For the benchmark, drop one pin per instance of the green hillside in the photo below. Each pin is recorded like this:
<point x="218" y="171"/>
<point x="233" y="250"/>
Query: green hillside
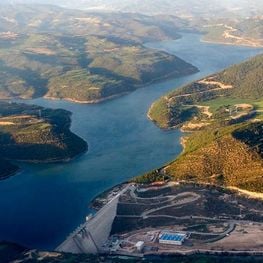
<point x="230" y="156"/>
<point x="79" y="56"/>
<point x="35" y="134"/>
<point x="223" y="117"/>
<point x="236" y="90"/>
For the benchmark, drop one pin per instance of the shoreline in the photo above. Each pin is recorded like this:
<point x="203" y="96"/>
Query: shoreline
<point x="51" y="161"/>
<point x="256" y="46"/>
<point x="48" y="161"/>
<point x="11" y="174"/>
<point x="156" y="123"/>
<point x="166" y="77"/>
<point x="86" y="101"/>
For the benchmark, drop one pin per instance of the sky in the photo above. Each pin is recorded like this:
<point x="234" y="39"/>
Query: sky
<point x="156" y="6"/>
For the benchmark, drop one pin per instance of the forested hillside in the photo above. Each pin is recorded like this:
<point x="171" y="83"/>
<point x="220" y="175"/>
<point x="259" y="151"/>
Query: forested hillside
<point x="239" y="84"/>
<point x="75" y="55"/>
<point x="35" y="134"/>
<point x="229" y="156"/>
<point x="223" y="117"/>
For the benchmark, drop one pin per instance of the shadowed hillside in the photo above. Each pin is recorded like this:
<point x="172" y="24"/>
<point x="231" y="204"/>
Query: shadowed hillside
<point x="35" y="134"/>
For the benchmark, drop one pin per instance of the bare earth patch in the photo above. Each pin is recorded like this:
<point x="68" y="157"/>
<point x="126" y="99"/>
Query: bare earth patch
<point x="6" y="123"/>
<point x="92" y="20"/>
<point x="244" y="106"/>
<point x="212" y="82"/>
<point x="209" y="81"/>
<point x="242" y="238"/>
<point x="42" y="51"/>
<point x="18" y="117"/>
<point x="205" y="110"/>
<point x="194" y="126"/>
<point x="229" y="34"/>
<point x="248" y="193"/>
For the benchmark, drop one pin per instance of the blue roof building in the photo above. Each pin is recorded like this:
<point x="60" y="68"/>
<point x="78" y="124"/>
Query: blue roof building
<point x="172" y="238"/>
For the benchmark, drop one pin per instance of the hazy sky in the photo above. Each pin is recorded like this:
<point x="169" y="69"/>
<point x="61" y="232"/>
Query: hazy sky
<point x="232" y="3"/>
<point x="155" y="6"/>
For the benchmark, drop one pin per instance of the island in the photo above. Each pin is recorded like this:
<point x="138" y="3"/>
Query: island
<point x="31" y="133"/>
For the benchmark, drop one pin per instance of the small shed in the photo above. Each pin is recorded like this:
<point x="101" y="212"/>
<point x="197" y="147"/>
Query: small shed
<point x="139" y="246"/>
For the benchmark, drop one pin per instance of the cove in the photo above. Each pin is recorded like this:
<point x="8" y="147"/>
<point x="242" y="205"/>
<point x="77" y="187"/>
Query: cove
<point x="40" y="206"/>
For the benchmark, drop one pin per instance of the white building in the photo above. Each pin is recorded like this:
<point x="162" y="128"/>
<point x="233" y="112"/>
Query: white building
<point x="139" y="246"/>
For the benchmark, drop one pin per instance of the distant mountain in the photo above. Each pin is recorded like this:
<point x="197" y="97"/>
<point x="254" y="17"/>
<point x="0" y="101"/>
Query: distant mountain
<point x="244" y="31"/>
<point x="177" y="7"/>
<point x="81" y="56"/>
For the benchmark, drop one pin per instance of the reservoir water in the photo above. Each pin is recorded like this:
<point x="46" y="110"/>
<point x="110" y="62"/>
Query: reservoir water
<point x="40" y="206"/>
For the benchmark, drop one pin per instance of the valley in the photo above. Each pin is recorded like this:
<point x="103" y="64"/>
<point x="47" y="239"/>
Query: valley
<point x="63" y="76"/>
<point x="82" y="57"/>
<point x="56" y="196"/>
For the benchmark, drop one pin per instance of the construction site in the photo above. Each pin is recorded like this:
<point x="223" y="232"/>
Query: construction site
<point x="170" y="219"/>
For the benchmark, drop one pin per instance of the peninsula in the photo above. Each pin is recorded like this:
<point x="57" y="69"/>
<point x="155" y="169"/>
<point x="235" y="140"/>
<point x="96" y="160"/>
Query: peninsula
<point x="223" y="117"/>
<point x="34" y="134"/>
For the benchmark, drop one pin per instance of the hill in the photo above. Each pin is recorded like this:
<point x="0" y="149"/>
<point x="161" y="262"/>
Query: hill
<point x="35" y="134"/>
<point x="224" y="112"/>
<point x="246" y="32"/>
<point x="234" y="92"/>
<point x="83" y="57"/>
<point x="230" y="156"/>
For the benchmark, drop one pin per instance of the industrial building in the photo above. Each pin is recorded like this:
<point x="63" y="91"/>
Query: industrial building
<point x="172" y="238"/>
